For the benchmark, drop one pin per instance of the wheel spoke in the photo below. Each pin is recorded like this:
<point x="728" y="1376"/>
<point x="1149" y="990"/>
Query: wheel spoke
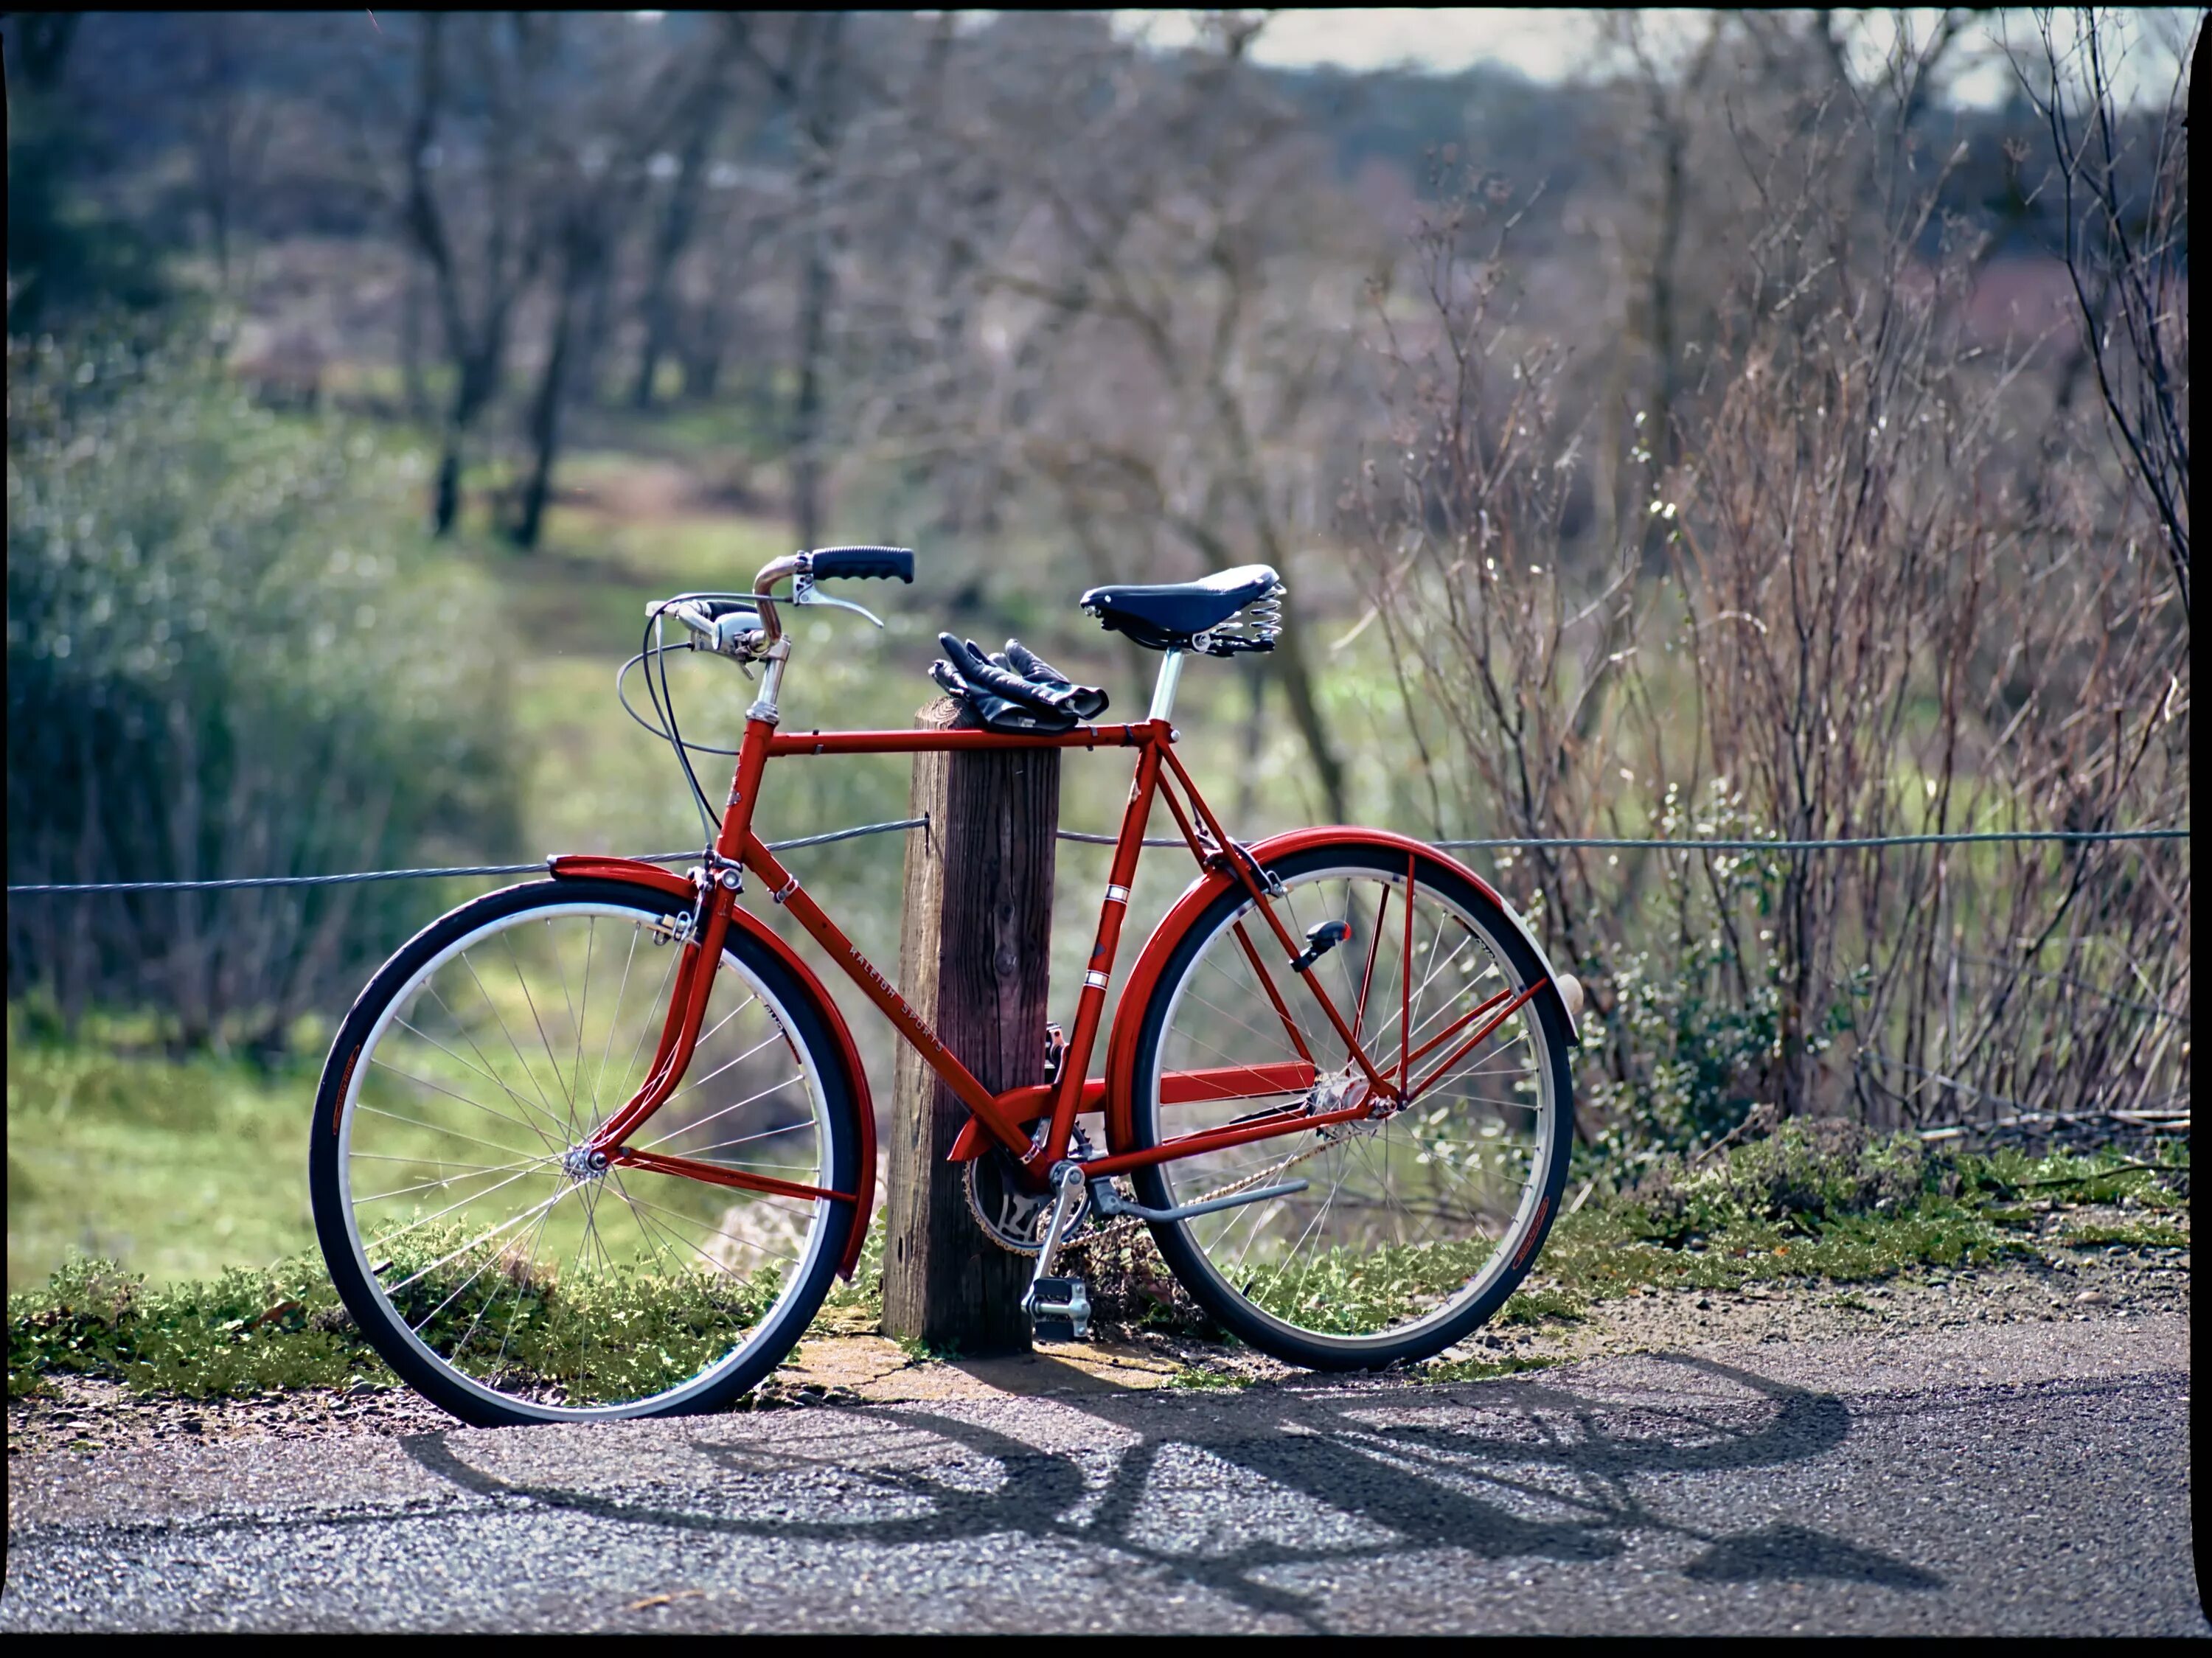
<point x="1404" y="1219"/>
<point x="529" y="1274"/>
<point x="544" y="1040"/>
<point x="423" y="1082"/>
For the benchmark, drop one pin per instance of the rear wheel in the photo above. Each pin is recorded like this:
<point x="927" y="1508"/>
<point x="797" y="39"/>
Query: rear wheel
<point x="1413" y="1226"/>
<point x="493" y="1262"/>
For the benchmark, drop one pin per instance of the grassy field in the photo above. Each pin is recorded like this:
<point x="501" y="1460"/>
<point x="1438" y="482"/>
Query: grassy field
<point x="178" y="1169"/>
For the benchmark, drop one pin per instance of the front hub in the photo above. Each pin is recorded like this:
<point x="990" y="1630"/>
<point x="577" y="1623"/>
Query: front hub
<point x="581" y="1164"/>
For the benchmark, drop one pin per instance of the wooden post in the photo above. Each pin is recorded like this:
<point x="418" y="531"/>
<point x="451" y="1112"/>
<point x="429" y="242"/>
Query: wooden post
<point x="974" y="955"/>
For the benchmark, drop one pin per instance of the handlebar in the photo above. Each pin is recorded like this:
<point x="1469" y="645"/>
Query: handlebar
<point x="889" y="563"/>
<point x="748" y="625"/>
<point x="747" y="628"/>
<point x="885" y="562"/>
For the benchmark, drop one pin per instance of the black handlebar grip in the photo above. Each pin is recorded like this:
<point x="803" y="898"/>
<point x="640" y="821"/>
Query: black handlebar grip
<point x="893" y="563"/>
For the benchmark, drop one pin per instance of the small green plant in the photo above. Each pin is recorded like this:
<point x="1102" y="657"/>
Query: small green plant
<point x="246" y="1332"/>
<point x="919" y="1351"/>
<point x="1192" y="1375"/>
<point x="1697" y="1022"/>
<point x="1803" y="1176"/>
<point x="1484" y="1369"/>
<point x="2143" y="1236"/>
<point x="1535" y="1305"/>
<point x="1131" y="1288"/>
<point x="284" y="1328"/>
<point x="864" y="1291"/>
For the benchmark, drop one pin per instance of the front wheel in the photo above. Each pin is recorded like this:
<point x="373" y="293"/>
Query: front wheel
<point x="1414" y="1224"/>
<point x="495" y="1263"/>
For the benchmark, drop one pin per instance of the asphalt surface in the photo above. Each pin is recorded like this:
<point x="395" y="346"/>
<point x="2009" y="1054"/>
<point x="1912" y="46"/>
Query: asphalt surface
<point x="2027" y="1479"/>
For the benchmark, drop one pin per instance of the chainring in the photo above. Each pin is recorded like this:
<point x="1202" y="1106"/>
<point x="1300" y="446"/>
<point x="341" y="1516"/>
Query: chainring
<point x="1012" y="1215"/>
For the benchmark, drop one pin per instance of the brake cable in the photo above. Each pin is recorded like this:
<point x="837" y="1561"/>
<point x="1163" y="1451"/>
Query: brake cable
<point x="664" y="705"/>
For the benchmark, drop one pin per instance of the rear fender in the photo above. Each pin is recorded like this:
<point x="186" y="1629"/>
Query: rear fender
<point x="584" y="866"/>
<point x="1152" y="960"/>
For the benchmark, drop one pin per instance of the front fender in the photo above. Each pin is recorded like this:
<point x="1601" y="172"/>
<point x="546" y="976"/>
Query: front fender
<point x="589" y="866"/>
<point x="1152" y="961"/>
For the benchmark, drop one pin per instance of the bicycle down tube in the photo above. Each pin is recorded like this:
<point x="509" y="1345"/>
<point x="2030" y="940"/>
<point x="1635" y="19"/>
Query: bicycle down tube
<point x="1005" y="1117"/>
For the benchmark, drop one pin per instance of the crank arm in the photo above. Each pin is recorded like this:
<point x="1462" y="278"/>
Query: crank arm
<point x="1106" y="1201"/>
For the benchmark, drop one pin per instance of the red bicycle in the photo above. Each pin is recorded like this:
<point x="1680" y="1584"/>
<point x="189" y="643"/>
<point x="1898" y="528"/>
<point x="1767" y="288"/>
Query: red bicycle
<point x="593" y="1146"/>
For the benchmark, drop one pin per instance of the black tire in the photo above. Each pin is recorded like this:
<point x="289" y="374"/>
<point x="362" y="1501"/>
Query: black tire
<point x="407" y="1012"/>
<point x="1287" y="1329"/>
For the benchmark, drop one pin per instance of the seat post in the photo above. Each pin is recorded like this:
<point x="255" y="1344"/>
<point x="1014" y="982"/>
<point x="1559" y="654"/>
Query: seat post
<point x="1164" y="688"/>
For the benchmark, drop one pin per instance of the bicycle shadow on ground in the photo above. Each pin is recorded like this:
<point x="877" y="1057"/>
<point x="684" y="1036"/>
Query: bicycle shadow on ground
<point x="1506" y="1470"/>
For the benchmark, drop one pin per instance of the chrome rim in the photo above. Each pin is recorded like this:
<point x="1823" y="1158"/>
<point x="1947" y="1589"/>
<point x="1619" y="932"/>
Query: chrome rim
<point x="530" y="1273"/>
<point x="1405" y="1220"/>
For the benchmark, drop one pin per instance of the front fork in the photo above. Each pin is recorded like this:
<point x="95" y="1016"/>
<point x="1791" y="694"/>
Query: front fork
<point x="702" y="947"/>
<point x="717" y="884"/>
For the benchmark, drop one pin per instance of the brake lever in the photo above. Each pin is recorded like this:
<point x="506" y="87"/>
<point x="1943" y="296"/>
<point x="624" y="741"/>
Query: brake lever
<point x="803" y="592"/>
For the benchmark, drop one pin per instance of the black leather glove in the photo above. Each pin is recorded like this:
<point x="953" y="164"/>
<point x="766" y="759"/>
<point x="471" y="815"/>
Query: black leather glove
<point x="999" y="712"/>
<point x="969" y="662"/>
<point x="1088" y="701"/>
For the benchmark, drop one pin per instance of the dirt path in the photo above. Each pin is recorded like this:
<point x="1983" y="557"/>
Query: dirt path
<point x="1989" y="1475"/>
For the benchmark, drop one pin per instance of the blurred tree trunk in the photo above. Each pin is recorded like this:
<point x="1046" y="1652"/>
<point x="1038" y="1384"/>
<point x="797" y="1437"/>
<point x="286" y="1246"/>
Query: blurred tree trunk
<point x="474" y="346"/>
<point x="584" y="258"/>
<point x="44" y="37"/>
<point x="594" y="331"/>
<point x="228" y="130"/>
<point x="416" y="394"/>
<point x="817" y="283"/>
<point x="595" y="216"/>
<point x="1674" y="107"/>
<point x="679" y="217"/>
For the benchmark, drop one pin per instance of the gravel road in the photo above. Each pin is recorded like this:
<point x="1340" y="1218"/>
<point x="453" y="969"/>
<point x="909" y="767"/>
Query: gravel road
<point x="2014" y="1477"/>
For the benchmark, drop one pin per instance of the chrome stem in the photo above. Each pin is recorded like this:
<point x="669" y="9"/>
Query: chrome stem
<point x="771" y="573"/>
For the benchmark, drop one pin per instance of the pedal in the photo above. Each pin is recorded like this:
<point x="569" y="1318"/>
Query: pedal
<point x="1059" y="1310"/>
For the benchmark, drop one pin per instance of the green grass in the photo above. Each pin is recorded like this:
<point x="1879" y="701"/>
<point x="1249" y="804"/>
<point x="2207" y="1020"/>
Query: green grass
<point x="2143" y="1236"/>
<point x="242" y="1333"/>
<point x="1820" y="1202"/>
<point x="1806" y="1205"/>
<point x="282" y="1328"/>
<point x="1536" y="1306"/>
<point x="179" y="1168"/>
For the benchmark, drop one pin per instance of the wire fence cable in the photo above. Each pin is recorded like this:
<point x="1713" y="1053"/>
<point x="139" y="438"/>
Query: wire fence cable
<point x="1964" y="838"/>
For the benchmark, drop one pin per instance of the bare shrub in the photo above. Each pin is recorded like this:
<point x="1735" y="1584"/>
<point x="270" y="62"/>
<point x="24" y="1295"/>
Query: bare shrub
<point x="1904" y="591"/>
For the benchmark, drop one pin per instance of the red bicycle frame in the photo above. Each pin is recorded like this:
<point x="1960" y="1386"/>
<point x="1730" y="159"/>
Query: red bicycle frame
<point x="1007" y="1119"/>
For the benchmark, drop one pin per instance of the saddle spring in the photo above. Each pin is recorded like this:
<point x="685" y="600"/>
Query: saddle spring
<point x="1254" y="628"/>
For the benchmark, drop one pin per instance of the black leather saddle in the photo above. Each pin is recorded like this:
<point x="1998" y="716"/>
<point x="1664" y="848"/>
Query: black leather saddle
<point x="1183" y="616"/>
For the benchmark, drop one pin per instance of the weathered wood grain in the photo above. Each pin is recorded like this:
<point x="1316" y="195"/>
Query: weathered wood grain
<point x="974" y="958"/>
